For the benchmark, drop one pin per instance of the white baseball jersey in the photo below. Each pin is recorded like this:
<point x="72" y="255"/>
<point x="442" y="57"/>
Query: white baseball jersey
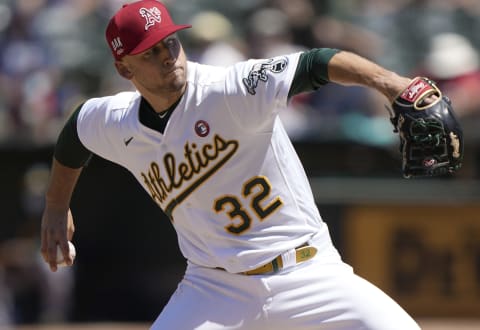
<point x="224" y="169"/>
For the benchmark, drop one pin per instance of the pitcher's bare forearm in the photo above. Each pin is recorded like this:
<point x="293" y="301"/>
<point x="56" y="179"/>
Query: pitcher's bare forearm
<point x="57" y="222"/>
<point x="346" y="68"/>
<point x="62" y="183"/>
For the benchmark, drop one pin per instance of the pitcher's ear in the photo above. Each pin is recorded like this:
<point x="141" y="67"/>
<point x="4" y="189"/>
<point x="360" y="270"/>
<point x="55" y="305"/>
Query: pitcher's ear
<point x="123" y="70"/>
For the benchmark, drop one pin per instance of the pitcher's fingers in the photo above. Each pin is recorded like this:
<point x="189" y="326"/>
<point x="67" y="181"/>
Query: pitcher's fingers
<point x="48" y="249"/>
<point x="44" y="245"/>
<point x="52" y="255"/>
<point x="70" y="232"/>
<point x="70" y="225"/>
<point x="65" y="248"/>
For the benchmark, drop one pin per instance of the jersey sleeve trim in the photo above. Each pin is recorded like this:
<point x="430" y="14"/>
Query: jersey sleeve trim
<point x="69" y="150"/>
<point x="312" y="70"/>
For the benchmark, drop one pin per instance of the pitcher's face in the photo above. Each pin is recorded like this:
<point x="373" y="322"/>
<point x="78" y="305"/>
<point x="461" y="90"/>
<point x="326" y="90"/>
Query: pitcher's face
<point x="158" y="70"/>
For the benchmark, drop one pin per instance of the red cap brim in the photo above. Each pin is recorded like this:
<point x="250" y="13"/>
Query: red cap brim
<point x="155" y="38"/>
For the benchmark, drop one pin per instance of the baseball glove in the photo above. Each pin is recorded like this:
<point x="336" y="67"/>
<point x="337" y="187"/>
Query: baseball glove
<point x="431" y="139"/>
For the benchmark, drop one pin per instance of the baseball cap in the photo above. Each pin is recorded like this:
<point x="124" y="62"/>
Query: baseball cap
<point x="138" y="26"/>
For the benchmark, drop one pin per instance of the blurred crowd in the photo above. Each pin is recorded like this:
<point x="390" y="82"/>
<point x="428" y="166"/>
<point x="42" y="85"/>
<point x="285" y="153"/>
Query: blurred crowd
<point x="53" y="56"/>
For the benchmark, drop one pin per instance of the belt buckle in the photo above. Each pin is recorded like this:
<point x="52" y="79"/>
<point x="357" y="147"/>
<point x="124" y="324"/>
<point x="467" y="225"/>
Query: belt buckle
<point x="302" y="253"/>
<point x="305" y="253"/>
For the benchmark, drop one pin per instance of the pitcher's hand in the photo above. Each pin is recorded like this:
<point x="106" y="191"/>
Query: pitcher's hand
<point x="57" y="229"/>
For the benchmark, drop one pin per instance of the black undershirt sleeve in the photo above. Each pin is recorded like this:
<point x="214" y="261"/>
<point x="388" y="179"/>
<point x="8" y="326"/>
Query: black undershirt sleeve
<point x="312" y="70"/>
<point x="69" y="151"/>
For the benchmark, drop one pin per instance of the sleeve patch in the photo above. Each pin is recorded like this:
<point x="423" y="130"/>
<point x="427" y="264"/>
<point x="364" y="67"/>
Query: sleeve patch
<point x="259" y="72"/>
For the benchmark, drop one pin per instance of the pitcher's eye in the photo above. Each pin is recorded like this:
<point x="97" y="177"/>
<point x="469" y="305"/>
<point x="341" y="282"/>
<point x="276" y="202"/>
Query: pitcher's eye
<point x="147" y="53"/>
<point x="152" y="52"/>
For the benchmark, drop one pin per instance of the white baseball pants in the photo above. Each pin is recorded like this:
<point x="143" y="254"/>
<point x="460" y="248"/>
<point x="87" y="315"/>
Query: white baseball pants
<point x="322" y="293"/>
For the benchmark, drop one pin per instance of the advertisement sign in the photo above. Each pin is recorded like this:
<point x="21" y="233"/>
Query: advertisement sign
<point x="426" y="257"/>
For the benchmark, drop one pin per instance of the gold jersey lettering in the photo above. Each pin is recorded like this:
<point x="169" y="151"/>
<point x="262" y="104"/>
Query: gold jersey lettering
<point x="198" y="165"/>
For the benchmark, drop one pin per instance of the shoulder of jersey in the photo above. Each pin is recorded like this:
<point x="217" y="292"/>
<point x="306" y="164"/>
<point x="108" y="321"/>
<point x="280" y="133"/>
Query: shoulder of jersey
<point x="202" y="74"/>
<point x="114" y="104"/>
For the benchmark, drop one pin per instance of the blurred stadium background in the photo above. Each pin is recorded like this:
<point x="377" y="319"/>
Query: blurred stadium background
<point x="419" y="240"/>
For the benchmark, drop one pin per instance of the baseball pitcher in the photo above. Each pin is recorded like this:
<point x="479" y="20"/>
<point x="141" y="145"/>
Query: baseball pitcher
<point x="206" y="143"/>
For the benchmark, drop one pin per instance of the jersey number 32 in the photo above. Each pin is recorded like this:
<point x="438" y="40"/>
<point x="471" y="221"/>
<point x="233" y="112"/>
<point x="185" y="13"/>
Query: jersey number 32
<point x="257" y="191"/>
